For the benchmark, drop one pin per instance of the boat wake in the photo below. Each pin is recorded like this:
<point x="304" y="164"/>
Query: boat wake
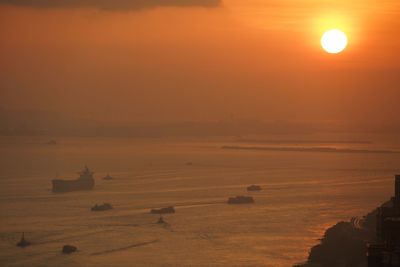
<point x="125" y="248"/>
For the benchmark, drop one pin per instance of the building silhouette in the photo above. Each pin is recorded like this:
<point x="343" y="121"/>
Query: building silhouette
<point x="385" y="252"/>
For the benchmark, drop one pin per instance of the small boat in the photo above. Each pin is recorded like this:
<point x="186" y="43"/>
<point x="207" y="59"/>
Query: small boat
<point x="23" y="243"/>
<point x="254" y="188"/>
<point x="103" y="207"/>
<point x="166" y="210"/>
<point x="108" y="177"/>
<point x="51" y="142"/>
<point x="68" y="249"/>
<point x="85" y="181"/>
<point x="241" y="200"/>
<point x="161" y="220"/>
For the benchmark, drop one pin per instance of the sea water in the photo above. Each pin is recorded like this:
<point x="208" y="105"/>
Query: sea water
<point x="303" y="194"/>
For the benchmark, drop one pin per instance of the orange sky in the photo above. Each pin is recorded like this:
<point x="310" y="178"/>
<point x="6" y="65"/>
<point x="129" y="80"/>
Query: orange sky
<point x="252" y="59"/>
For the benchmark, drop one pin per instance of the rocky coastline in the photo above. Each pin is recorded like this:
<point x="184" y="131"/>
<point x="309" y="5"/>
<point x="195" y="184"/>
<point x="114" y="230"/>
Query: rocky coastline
<point x="344" y="244"/>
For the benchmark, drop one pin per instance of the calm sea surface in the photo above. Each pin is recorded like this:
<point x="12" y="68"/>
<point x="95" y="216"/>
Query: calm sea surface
<point x="304" y="193"/>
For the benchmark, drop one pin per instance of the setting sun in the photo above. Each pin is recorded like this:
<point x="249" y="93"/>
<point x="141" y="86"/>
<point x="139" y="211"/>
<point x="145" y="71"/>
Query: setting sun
<point x="334" y="41"/>
<point x="161" y="133"/>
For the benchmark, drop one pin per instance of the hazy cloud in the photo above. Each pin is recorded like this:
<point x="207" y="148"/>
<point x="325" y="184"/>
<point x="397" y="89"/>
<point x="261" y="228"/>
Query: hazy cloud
<point x="112" y="4"/>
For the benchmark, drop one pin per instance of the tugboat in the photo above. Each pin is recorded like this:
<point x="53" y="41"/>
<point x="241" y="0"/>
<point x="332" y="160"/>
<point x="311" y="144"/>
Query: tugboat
<point x="163" y="210"/>
<point x="23" y="243"/>
<point x="108" y="177"/>
<point x="240" y="200"/>
<point x="254" y="188"/>
<point x="84" y="182"/>
<point x="103" y="207"/>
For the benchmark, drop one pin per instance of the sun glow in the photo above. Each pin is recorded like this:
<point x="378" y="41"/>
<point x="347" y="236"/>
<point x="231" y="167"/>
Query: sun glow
<point x="334" y="41"/>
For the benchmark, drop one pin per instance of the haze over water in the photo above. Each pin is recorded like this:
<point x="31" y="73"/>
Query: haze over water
<point x="304" y="193"/>
<point x="198" y="99"/>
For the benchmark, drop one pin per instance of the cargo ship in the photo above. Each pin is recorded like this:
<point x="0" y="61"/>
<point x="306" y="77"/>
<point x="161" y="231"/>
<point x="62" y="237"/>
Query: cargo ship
<point x="85" y="181"/>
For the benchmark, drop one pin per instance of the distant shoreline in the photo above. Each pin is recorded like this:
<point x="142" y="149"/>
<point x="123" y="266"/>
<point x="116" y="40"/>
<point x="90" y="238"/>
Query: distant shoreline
<point x="311" y="149"/>
<point x="292" y="141"/>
